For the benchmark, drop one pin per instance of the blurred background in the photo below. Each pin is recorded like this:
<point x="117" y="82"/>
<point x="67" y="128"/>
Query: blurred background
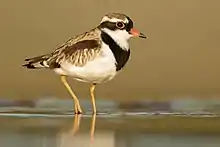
<point x="181" y="55"/>
<point x="175" y="70"/>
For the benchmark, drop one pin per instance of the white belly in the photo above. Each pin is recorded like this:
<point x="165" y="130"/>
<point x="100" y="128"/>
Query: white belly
<point x="101" y="69"/>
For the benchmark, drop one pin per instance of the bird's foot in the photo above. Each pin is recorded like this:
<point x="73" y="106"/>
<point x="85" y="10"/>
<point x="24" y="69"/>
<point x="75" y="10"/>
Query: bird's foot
<point x="78" y="112"/>
<point x="94" y="112"/>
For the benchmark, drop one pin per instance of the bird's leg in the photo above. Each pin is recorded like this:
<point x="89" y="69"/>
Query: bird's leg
<point x="77" y="107"/>
<point x="92" y="90"/>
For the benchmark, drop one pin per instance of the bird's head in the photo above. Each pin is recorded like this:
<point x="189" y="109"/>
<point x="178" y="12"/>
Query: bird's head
<point x="119" y="25"/>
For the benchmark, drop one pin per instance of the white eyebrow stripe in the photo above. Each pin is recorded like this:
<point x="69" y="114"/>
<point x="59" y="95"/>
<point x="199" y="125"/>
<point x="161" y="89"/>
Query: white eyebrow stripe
<point x="113" y="20"/>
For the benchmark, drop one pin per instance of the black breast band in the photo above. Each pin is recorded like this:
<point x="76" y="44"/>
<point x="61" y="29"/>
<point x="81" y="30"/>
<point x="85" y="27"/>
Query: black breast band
<point x="121" y="55"/>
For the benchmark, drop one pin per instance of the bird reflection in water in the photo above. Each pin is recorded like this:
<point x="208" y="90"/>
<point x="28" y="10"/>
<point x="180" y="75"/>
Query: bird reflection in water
<point x="76" y="125"/>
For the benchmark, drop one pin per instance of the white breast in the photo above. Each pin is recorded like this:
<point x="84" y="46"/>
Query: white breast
<point x="101" y="69"/>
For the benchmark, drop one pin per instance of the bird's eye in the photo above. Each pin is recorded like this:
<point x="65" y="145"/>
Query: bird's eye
<point x="120" y="25"/>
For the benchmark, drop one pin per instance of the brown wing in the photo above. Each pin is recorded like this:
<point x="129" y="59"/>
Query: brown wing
<point x="77" y="51"/>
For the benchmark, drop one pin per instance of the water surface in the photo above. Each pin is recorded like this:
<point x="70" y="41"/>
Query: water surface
<point x="127" y="129"/>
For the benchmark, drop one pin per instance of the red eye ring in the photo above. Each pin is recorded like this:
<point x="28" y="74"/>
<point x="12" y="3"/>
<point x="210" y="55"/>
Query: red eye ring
<point x="120" y="25"/>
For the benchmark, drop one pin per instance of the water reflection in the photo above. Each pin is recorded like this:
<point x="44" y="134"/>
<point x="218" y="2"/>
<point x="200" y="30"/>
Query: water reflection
<point x="73" y="137"/>
<point x="111" y="131"/>
<point x="76" y="125"/>
<point x="51" y="123"/>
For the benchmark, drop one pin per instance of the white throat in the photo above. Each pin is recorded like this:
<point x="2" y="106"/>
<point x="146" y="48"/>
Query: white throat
<point x="121" y="37"/>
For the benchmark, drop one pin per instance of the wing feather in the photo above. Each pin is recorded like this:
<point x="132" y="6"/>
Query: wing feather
<point x="77" y="51"/>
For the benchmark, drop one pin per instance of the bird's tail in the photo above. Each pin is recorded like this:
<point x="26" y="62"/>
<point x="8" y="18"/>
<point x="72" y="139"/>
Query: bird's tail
<point x="36" y="62"/>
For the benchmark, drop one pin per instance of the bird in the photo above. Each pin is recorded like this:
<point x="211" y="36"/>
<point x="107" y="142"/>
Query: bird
<point x="94" y="57"/>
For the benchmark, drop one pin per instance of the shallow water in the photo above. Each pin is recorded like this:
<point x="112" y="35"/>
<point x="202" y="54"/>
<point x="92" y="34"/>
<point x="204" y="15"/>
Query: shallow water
<point x="26" y="128"/>
<point x="50" y="122"/>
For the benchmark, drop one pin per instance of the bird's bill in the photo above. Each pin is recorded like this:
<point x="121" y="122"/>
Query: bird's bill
<point x="134" y="32"/>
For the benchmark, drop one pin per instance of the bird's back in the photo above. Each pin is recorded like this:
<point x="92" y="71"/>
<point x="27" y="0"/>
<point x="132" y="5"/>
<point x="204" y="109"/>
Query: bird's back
<point x="77" y="50"/>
